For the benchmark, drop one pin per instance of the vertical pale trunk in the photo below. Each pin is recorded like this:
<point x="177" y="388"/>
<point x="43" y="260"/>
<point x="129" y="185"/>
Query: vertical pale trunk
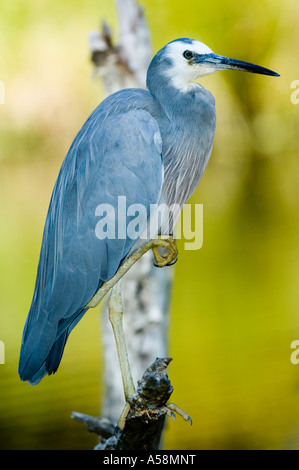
<point x="146" y="289"/>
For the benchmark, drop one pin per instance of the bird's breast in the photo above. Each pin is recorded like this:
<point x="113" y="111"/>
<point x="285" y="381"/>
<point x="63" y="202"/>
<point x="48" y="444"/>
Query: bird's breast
<point x="187" y="148"/>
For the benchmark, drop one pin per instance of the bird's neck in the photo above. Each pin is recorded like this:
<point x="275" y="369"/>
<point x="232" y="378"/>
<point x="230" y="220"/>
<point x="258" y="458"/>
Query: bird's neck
<point x="176" y="98"/>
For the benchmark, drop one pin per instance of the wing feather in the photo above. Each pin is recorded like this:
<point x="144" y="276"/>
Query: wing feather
<point x="115" y="155"/>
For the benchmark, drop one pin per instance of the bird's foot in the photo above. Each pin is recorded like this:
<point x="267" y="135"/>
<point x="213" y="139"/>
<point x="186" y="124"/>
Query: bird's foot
<point x="170" y="409"/>
<point x="168" y="258"/>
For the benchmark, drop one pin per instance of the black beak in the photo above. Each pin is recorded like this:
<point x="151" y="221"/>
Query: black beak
<point x="224" y="63"/>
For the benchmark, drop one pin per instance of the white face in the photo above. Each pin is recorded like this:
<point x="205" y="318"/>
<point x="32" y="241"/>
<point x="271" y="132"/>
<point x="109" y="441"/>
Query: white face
<point x="182" y="72"/>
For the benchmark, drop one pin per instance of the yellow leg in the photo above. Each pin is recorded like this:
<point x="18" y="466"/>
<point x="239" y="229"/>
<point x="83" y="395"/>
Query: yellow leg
<point x="166" y="242"/>
<point x="116" y="318"/>
<point x="122" y="420"/>
<point x="116" y="309"/>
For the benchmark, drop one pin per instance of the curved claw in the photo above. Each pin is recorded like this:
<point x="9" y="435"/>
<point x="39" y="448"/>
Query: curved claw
<point x="169" y="258"/>
<point x="169" y="412"/>
<point x="174" y="408"/>
<point x="171" y="263"/>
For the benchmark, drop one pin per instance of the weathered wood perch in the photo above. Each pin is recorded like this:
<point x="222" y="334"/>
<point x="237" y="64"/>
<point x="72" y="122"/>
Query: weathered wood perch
<point x="143" y="421"/>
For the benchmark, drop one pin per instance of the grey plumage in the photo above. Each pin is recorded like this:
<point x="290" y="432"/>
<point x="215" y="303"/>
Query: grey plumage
<point x="149" y="146"/>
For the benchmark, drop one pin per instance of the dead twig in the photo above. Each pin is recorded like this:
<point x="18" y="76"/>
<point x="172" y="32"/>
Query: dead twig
<point x="141" y="423"/>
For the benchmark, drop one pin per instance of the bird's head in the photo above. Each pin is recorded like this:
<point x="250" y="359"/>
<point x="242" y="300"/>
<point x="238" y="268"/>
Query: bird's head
<point x="184" y="60"/>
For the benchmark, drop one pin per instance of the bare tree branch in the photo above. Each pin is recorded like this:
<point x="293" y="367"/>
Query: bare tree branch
<point x="142" y="421"/>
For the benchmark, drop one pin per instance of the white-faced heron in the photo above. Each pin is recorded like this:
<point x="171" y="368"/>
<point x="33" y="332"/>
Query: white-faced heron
<point x="149" y="147"/>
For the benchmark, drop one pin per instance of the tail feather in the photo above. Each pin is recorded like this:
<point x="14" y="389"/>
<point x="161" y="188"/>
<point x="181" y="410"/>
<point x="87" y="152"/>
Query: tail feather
<point x="42" y="356"/>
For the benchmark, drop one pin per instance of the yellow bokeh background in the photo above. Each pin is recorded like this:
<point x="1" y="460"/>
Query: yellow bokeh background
<point x="235" y="305"/>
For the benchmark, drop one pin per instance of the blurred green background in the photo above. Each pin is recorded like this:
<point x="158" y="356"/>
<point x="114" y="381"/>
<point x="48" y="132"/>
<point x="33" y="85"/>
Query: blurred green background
<point x="235" y="306"/>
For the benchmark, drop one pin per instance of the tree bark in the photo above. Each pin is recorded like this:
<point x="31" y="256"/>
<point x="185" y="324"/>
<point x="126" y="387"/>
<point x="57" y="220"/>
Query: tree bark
<point x="143" y="419"/>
